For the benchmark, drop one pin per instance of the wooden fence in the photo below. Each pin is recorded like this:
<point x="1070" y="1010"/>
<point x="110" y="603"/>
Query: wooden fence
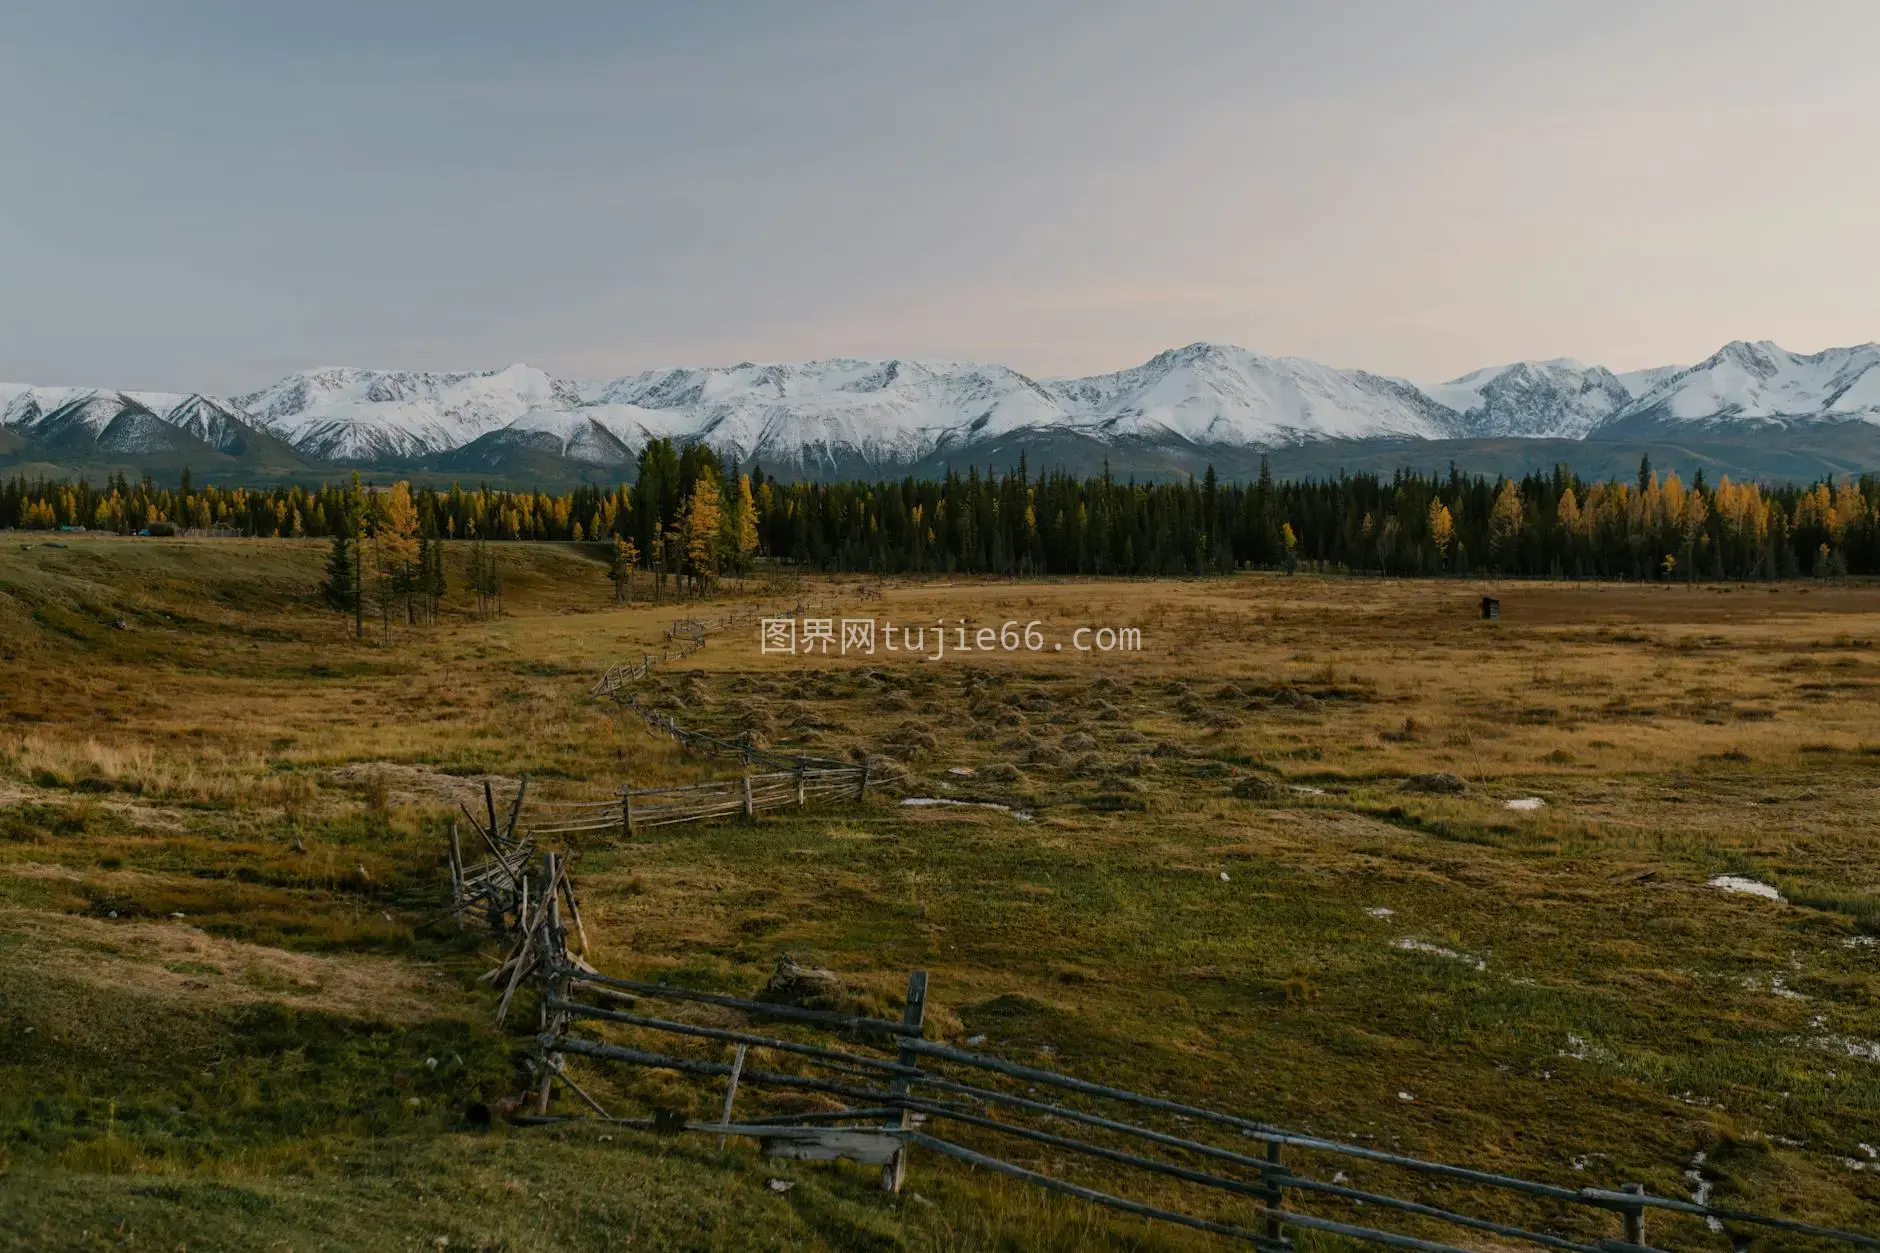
<point x="637" y="809"/>
<point x="896" y="1091"/>
<point x="683" y="638"/>
<point x="497" y="886"/>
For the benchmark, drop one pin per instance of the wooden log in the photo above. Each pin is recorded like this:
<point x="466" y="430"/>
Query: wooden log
<point x="456" y="871"/>
<point x="731" y="1090"/>
<point x="489" y="801"/>
<point x="515" y="806"/>
<point x="914" y="1016"/>
<point x="552" y="1023"/>
<point x="822" y="1144"/>
<point x="750" y="810"/>
<point x="574" y="910"/>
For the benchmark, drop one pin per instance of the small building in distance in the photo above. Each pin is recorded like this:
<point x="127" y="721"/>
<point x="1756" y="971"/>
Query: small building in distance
<point x="1491" y="609"/>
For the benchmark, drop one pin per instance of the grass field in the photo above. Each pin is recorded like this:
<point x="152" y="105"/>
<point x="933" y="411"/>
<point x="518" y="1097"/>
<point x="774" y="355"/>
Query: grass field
<point x="228" y="1019"/>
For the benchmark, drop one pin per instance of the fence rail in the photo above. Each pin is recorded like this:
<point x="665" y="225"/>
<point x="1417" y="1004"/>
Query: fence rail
<point x="638" y="809"/>
<point x="684" y="637"/>
<point x="900" y="1089"/>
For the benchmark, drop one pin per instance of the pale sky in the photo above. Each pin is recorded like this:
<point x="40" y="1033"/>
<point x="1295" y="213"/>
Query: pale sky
<point x="208" y="194"/>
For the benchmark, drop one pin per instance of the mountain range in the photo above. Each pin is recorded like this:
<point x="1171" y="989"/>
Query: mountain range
<point x="1749" y="409"/>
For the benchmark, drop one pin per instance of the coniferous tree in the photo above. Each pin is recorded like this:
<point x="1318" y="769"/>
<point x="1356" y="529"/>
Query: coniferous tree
<point x="337" y="588"/>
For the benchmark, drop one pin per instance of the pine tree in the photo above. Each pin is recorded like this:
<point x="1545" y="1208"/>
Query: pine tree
<point x="435" y="583"/>
<point x="337" y="588"/>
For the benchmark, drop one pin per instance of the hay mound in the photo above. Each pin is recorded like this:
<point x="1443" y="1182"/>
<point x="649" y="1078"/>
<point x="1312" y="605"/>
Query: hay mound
<point x="1255" y="788"/>
<point x="1001" y="772"/>
<point x="1167" y="748"/>
<point x="1440" y="782"/>
<point x="1047" y="755"/>
<point x="1079" y="742"/>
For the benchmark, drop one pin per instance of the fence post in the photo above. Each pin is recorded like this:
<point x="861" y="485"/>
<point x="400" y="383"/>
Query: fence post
<point x="861" y="790"/>
<point x="549" y="944"/>
<point x="626" y="809"/>
<point x="1276" y="1237"/>
<point x="456" y="872"/>
<point x="1634" y="1215"/>
<point x="894" y="1174"/>
<point x="731" y="1093"/>
<point x="801" y="800"/>
<point x="750" y="811"/>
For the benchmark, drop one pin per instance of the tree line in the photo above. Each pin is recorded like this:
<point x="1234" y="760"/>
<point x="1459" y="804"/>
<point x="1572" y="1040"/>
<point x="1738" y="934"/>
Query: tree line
<point x="689" y="518"/>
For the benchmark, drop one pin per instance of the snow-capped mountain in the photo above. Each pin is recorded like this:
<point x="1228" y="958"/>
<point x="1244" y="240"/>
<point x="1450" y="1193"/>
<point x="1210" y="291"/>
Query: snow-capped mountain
<point x="880" y="412"/>
<point x="845" y="415"/>
<point x="1559" y="399"/>
<point x="599" y="434"/>
<point x="1760" y="384"/>
<point x="83" y="419"/>
<point x="1216" y="394"/>
<point x="346" y="414"/>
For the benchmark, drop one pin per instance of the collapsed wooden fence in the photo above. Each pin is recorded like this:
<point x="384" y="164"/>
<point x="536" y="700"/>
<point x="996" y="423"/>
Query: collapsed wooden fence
<point x="894" y="1090"/>
<point x="496" y="886"/>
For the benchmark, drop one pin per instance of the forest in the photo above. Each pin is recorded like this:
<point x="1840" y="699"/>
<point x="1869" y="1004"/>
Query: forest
<point x="690" y="516"/>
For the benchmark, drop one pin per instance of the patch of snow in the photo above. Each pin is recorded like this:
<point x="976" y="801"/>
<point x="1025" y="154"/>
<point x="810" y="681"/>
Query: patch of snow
<point x="1380" y="911"/>
<point x="1701" y="1187"/>
<point x="1525" y="803"/>
<point x="1743" y="887"/>
<point x="1409" y="945"/>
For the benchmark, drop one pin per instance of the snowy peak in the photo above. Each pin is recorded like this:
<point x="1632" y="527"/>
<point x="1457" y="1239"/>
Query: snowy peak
<point x="1759" y="383"/>
<point x="818" y="412"/>
<point x="1558" y="399"/>
<point x="347" y="414"/>
<point x="1217" y="394"/>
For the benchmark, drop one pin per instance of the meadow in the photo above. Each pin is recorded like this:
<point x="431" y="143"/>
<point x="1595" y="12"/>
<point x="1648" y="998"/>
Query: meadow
<point x="1267" y="863"/>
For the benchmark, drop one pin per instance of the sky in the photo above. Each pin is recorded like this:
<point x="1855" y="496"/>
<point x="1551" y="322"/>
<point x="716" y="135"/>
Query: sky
<point x="210" y="194"/>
